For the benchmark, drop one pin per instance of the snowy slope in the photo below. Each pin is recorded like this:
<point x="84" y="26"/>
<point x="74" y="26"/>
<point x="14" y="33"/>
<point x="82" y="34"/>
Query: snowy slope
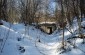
<point x="35" y="42"/>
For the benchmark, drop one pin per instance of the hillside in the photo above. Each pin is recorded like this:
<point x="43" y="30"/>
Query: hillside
<point x="21" y="40"/>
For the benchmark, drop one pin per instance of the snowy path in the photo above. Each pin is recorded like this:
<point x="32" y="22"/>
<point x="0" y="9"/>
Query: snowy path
<point x="48" y="44"/>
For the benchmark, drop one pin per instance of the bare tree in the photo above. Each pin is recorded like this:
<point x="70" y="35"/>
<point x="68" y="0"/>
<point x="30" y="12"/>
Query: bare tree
<point x="3" y="9"/>
<point x="28" y="10"/>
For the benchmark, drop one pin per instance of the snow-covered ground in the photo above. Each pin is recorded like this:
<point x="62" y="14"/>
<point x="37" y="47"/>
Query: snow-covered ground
<point x="21" y="40"/>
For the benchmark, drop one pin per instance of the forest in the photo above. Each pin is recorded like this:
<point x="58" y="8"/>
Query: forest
<point x="42" y="27"/>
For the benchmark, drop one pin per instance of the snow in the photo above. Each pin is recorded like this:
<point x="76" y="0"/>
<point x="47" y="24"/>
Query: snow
<point x="47" y="22"/>
<point x="36" y="42"/>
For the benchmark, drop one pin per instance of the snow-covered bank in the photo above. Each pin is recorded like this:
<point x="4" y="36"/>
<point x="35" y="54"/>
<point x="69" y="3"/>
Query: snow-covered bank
<point x="21" y="40"/>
